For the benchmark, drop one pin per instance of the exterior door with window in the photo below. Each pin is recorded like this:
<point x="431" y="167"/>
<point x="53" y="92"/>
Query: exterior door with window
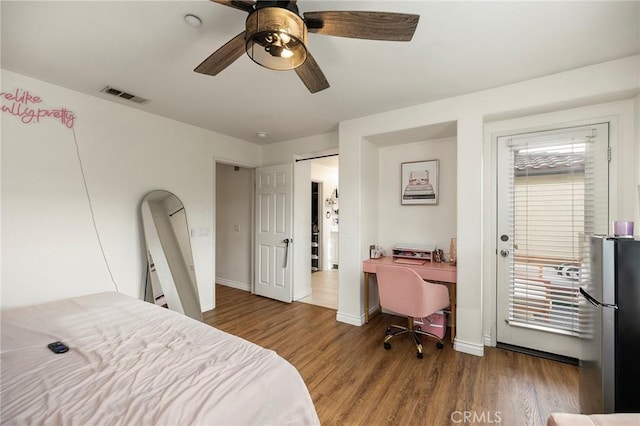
<point x="553" y="194"/>
<point x="273" y="254"/>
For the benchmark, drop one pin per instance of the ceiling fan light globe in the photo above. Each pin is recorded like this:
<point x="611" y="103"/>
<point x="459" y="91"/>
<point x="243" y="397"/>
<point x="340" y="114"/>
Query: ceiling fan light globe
<point x="276" y="38"/>
<point x="274" y="50"/>
<point x="284" y="37"/>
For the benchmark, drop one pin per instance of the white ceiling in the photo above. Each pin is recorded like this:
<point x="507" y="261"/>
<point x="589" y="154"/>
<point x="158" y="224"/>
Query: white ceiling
<point x="145" y="48"/>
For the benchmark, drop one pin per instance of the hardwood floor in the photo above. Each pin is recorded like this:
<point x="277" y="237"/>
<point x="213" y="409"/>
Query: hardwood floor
<point x="354" y="381"/>
<point x="324" y="289"/>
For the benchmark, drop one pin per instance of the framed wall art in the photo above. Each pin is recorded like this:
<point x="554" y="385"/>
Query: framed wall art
<point x="420" y="183"/>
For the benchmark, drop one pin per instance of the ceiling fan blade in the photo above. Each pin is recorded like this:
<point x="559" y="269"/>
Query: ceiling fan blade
<point x="246" y="5"/>
<point x="366" y="25"/>
<point x="223" y="57"/>
<point x="311" y="75"/>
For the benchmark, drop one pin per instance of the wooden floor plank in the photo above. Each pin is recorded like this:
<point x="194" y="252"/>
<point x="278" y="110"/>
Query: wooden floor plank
<point x="324" y="289"/>
<point x="353" y="380"/>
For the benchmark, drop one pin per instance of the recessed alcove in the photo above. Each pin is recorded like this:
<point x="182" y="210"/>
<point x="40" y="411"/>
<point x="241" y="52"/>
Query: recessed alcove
<point x="419" y="223"/>
<point x="388" y="220"/>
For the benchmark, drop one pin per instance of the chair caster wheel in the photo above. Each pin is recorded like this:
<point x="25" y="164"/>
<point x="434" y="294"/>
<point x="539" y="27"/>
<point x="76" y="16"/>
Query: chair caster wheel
<point x="387" y="345"/>
<point x="439" y="345"/>
<point x="420" y="355"/>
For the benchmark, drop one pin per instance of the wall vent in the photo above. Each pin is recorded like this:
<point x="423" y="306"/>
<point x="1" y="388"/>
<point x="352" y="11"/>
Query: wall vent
<point x="128" y="96"/>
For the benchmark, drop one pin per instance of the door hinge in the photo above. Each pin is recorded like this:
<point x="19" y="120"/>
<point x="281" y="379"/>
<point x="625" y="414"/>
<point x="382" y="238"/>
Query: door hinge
<point x="609" y="154"/>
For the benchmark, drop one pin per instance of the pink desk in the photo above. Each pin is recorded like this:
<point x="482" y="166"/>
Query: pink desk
<point x="429" y="271"/>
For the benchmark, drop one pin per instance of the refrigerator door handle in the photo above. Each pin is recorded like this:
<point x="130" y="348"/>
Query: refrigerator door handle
<point x="596" y="302"/>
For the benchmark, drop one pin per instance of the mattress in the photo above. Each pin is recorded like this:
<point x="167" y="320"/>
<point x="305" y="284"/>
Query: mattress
<point x="135" y="363"/>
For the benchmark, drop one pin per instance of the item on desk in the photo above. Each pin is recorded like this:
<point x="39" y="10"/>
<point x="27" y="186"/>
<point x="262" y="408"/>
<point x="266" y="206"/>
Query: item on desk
<point x="438" y="256"/>
<point x="409" y="261"/>
<point x="414" y="251"/>
<point x="375" y="251"/>
<point x="453" y="251"/>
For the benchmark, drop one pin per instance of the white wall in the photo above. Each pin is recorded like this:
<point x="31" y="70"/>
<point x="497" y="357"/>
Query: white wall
<point x="285" y="153"/>
<point x="584" y="86"/>
<point x="419" y="224"/>
<point x="359" y="177"/>
<point x="49" y="247"/>
<point x="234" y="226"/>
<point x="301" y="229"/>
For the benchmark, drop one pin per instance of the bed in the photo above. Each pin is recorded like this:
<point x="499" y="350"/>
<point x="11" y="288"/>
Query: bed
<point x="135" y="363"/>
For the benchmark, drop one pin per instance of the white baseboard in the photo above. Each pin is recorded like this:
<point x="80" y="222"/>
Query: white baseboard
<point x="468" y="347"/>
<point x="488" y="341"/>
<point x="207" y="307"/>
<point x="234" y="284"/>
<point x="350" y="319"/>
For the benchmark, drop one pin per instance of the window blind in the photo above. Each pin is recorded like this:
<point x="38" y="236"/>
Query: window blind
<point x="557" y="198"/>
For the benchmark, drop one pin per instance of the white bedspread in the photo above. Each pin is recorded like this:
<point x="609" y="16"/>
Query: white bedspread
<point x="134" y="363"/>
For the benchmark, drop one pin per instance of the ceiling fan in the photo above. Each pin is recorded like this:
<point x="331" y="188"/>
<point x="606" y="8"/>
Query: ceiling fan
<point x="276" y="36"/>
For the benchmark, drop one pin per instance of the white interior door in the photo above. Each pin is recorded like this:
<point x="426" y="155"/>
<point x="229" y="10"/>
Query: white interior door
<point x="553" y="194"/>
<point x="274" y="232"/>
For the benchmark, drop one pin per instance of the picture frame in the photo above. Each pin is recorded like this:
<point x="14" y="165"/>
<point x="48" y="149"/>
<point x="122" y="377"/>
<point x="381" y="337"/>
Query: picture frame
<point x="419" y="183"/>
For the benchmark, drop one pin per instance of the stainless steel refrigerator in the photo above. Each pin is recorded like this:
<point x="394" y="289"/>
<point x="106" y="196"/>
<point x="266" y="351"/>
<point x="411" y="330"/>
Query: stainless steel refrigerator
<point x="610" y="318"/>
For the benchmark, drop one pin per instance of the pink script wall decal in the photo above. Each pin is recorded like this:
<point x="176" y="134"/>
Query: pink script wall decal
<point x="21" y="103"/>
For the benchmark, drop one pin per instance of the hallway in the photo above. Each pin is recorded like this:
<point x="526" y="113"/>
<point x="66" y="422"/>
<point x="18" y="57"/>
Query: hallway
<point x="324" y="289"/>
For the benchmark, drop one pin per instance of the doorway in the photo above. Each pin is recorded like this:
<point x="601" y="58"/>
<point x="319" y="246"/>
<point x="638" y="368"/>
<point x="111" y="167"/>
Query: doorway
<point x="235" y="242"/>
<point x="554" y="195"/>
<point x="323" y="226"/>
<point x="234" y="225"/>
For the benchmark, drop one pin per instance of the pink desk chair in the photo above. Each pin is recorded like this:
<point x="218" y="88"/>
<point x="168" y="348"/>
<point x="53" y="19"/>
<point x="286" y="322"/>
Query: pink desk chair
<point x="404" y="292"/>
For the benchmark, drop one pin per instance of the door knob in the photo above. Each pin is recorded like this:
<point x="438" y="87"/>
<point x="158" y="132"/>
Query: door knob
<point x="504" y="253"/>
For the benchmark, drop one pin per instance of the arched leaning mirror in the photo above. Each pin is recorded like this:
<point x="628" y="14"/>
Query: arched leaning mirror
<point x="170" y="276"/>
